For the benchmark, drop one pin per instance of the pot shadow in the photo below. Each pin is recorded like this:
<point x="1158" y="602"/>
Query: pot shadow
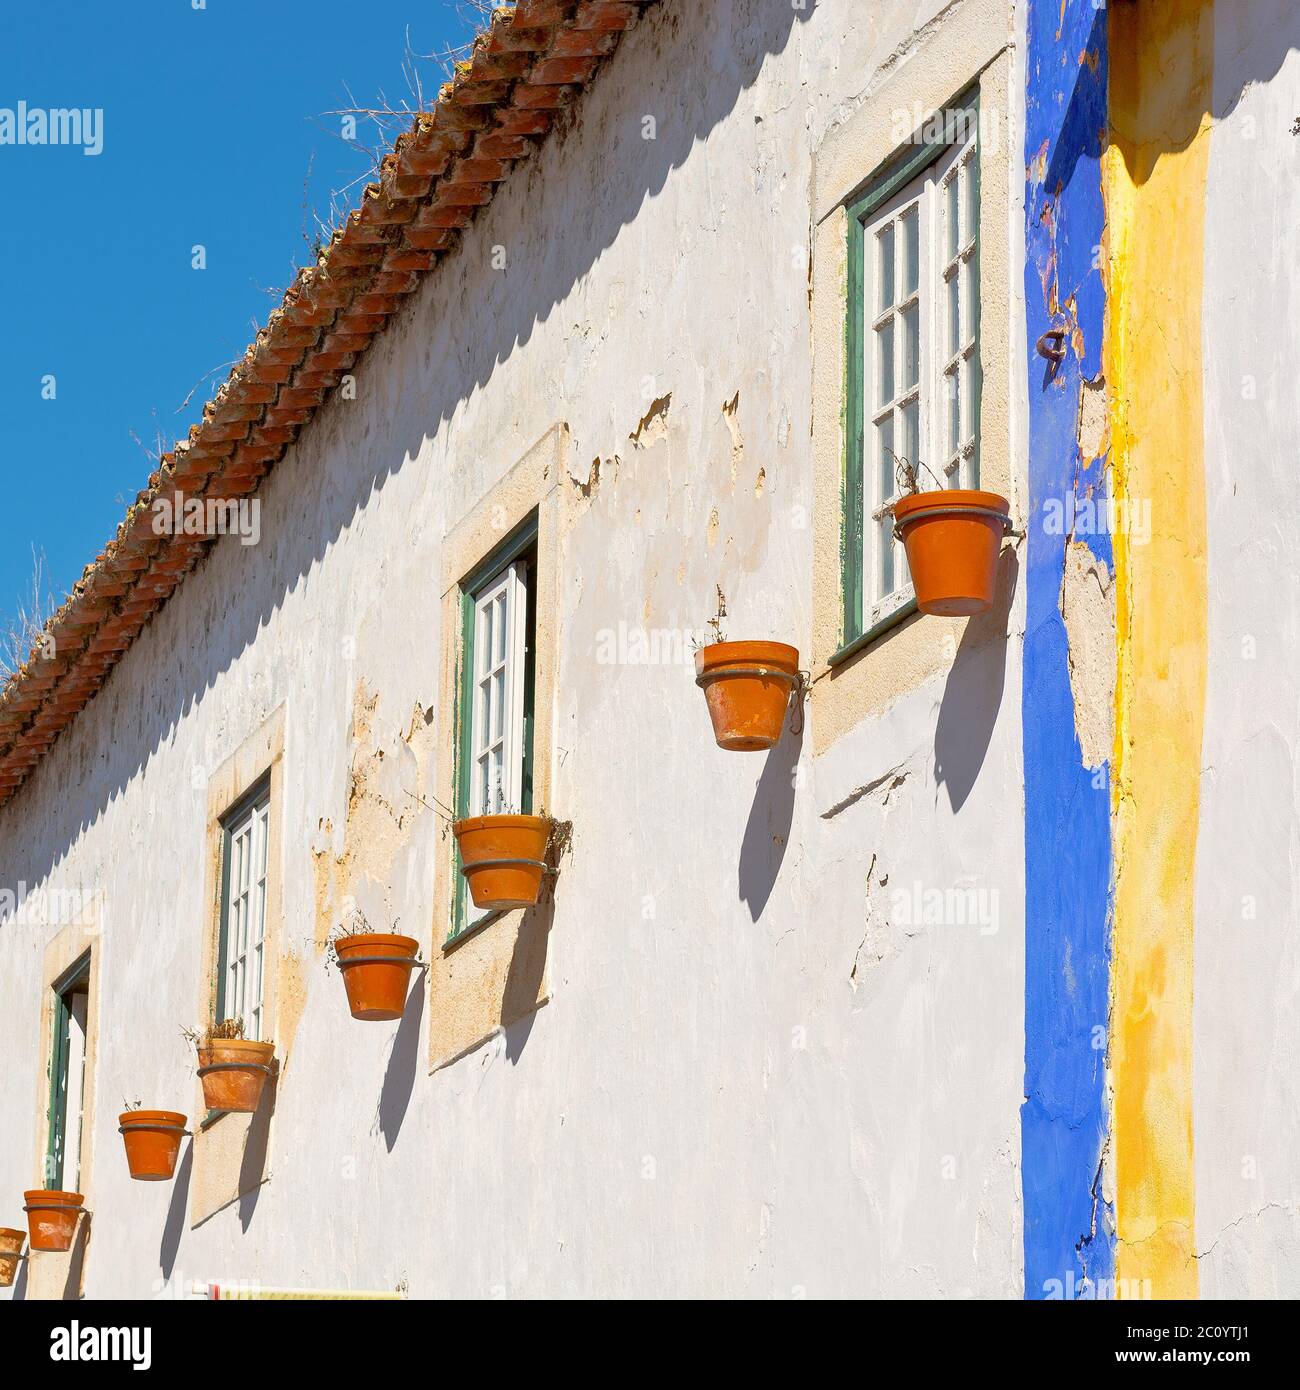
<point x="403" y="1057"/>
<point x="252" y="1167"/>
<point x="526" y="973"/>
<point x="19" y="1294"/>
<point x="72" y="1285"/>
<point x="174" y="1227"/>
<point x="516" y="1036"/>
<point x="767" y="832"/>
<point x="972" y="696"/>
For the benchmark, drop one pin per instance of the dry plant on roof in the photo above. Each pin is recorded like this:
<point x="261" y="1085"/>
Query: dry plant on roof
<point x="21" y="632"/>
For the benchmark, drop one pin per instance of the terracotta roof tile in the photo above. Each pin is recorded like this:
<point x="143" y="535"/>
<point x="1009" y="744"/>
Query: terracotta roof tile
<point x="533" y="60"/>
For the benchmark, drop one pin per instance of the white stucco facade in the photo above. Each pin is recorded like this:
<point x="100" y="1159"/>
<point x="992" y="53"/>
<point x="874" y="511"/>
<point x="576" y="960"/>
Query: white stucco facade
<point x="750" y="1076"/>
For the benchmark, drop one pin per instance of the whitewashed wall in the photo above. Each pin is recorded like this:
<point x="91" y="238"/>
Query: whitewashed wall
<point x="1246" y="1100"/>
<point x="771" y="1086"/>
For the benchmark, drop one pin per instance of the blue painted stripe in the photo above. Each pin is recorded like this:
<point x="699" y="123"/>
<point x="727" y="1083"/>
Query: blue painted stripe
<point x="1068" y="1246"/>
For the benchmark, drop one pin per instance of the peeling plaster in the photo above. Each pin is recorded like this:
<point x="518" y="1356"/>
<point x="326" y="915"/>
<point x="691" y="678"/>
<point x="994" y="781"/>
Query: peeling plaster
<point x="383" y="807"/>
<point x="1087" y="606"/>
<point x="654" y="424"/>
<point x="729" y="409"/>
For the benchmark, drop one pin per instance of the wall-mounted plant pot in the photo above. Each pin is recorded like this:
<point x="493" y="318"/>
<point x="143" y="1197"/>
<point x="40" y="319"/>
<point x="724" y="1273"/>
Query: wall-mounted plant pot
<point x="11" y="1251"/>
<point x="234" y="1073"/>
<point x="953" y="537"/>
<point x="153" y="1141"/>
<point x="503" y="859"/>
<point x="747" y="686"/>
<point x="52" y="1218"/>
<point x="376" y="969"/>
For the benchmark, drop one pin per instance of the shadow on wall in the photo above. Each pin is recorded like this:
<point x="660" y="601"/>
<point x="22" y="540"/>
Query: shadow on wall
<point x="252" y="1167"/>
<point x="1263" y="33"/>
<point x="767" y="832"/>
<point x="689" y="67"/>
<point x="174" y="1226"/>
<point x="972" y="696"/>
<point x="403" y="1058"/>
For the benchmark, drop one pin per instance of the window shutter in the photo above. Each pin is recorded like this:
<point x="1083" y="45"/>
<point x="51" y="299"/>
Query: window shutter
<point x="500" y="630"/>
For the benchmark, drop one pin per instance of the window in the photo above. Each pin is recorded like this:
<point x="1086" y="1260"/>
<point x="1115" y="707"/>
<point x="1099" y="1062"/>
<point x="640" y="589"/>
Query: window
<point x="67" y="1078"/>
<point x="494" y="772"/>
<point x="913" y="355"/>
<point x="242" y="947"/>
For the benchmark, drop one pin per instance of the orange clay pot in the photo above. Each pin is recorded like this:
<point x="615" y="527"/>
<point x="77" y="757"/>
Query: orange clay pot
<point x="376" y="989"/>
<point x="11" y="1248"/>
<point x="52" y="1218"/>
<point x="748" y="687"/>
<point x="953" y="537"/>
<point x="153" y="1140"/>
<point x="243" y="1068"/>
<point x="486" y="841"/>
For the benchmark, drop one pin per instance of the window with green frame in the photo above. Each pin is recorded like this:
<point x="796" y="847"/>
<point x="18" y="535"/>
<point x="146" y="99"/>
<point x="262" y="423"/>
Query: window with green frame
<point x="912" y="355"/>
<point x="241" y="946"/>
<point x="494" y="708"/>
<point x="67" y="1078"/>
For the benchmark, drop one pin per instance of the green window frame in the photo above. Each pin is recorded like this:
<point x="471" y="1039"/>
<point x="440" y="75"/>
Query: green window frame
<point x="519" y="547"/>
<point x="945" y="135"/>
<point x="74" y="981"/>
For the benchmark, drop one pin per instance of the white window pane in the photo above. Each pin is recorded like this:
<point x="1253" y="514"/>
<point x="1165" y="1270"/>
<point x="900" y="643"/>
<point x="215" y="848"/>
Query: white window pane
<point x="245" y="924"/>
<point x="970" y="186"/>
<point x="969" y="293"/>
<point x="911" y="354"/>
<point x="953" y="395"/>
<point x="484" y="642"/>
<point x="498" y="703"/>
<point x="499" y="631"/>
<point x="74" y="1094"/>
<point x="886" y="463"/>
<point x="885" y="548"/>
<point x="953" y="343"/>
<point x="885" y="362"/>
<point x="953" y="215"/>
<point x="911" y="450"/>
<point x="885" y="268"/>
<point x="911" y="251"/>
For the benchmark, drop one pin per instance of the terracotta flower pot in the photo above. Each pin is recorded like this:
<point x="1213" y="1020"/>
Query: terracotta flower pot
<point x="953" y="537"/>
<point x="234" y="1072"/>
<point x="52" y="1218"/>
<point x="748" y="687"/>
<point x="153" y="1141"/>
<point x="503" y="858"/>
<point x="376" y="971"/>
<point x="11" y="1249"/>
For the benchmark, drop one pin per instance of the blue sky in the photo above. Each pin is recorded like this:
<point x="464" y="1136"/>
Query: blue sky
<point x="212" y="119"/>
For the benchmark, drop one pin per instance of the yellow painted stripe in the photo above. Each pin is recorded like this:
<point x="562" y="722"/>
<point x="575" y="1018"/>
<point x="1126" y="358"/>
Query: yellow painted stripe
<point x="1161" y="70"/>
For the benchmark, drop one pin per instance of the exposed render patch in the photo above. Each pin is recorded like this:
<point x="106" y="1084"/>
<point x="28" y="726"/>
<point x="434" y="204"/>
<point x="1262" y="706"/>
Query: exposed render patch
<point x="729" y="409"/>
<point x="1088" y="611"/>
<point x="383" y="806"/>
<point x="654" y="424"/>
<point x="1094" y="420"/>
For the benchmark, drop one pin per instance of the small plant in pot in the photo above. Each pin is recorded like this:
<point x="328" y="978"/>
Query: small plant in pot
<point x="52" y="1218"/>
<point x="376" y="968"/>
<point x="152" y="1139"/>
<point x="233" y="1069"/>
<point x="747" y="686"/>
<point x="503" y="858"/>
<point x="953" y="537"/>
<point x="11" y="1251"/>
